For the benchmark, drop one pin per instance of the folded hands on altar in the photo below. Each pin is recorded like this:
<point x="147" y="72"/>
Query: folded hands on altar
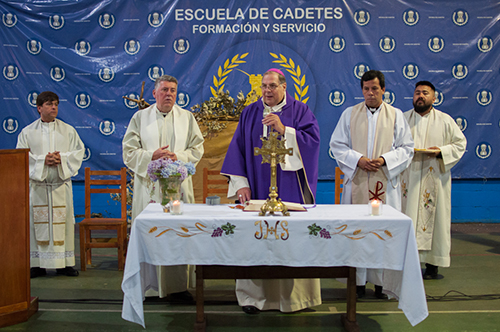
<point x="163" y="152"/>
<point x="371" y="165"/>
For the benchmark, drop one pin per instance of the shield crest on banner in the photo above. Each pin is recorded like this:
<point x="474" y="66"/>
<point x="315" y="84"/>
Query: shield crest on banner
<point x="240" y="68"/>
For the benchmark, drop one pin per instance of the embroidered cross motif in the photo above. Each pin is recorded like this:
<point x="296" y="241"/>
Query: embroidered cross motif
<point x="378" y="193"/>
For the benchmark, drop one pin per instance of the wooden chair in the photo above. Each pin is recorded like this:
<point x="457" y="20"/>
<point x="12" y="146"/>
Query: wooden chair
<point x="109" y="185"/>
<point x="213" y="183"/>
<point x="339" y="184"/>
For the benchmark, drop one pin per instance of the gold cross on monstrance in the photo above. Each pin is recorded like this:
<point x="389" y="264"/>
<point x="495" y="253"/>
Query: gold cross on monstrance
<point x="273" y="151"/>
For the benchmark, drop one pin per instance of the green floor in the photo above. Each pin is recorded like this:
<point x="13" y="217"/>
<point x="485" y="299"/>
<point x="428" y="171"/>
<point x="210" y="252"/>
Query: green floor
<point x="466" y="299"/>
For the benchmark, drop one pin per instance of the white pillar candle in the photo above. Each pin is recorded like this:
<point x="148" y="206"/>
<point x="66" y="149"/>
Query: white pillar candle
<point x="375" y="207"/>
<point x="176" y="207"/>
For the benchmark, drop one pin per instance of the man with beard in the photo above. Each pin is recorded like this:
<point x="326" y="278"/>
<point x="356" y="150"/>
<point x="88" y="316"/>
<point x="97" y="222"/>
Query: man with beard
<point x="426" y="184"/>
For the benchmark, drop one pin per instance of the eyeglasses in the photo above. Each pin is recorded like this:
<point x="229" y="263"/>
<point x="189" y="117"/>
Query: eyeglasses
<point x="270" y="87"/>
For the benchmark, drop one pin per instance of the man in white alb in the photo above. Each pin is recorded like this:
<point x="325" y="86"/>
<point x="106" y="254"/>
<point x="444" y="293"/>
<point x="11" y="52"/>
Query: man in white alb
<point x="372" y="145"/>
<point x="56" y="154"/>
<point x="163" y="130"/>
<point x="426" y="184"/>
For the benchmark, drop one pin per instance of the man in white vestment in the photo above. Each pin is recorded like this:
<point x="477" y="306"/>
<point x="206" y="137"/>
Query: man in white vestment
<point x="426" y="184"/>
<point x="56" y="154"/>
<point x="163" y="130"/>
<point x="372" y="145"/>
<point x="297" y="178"/>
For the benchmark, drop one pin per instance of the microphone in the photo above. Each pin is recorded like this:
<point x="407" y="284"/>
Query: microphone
<point x="265" y="129"/>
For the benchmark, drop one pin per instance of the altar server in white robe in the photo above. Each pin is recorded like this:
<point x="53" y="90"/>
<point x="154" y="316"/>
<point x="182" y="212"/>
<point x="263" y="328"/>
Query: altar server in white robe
<point x="56" y="154"/>
<point x="163" y="130"/>
<point x="372" y="145"/>
<point x="426" y="184"/>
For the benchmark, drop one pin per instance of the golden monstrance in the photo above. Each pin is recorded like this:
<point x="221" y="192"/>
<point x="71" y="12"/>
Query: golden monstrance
<point x="273" y="151"/>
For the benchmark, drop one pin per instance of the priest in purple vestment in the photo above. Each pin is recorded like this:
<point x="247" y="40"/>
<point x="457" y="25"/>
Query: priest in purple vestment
<point x="296" y="181"/>
<point x="278" y="111"/>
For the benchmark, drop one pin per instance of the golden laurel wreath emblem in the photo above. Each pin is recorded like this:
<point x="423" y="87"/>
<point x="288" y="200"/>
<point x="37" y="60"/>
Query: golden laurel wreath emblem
<point x="289" y="65"/>
<point x="301" y="88"/>
<point x="222" y="73"/>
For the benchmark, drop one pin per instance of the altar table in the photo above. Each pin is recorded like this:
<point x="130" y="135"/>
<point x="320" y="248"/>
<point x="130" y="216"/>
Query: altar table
<point x="324" y="236"/>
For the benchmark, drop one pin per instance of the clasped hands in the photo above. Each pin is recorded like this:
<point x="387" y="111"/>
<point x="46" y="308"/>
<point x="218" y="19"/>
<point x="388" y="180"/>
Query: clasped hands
<point x="163" y="152"/>
<point x="371" y="165"/>
<point x="53" y="159"/>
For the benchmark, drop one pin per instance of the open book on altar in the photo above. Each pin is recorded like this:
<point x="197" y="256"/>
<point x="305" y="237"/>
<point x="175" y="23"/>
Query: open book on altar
<point x="255" y="204"/>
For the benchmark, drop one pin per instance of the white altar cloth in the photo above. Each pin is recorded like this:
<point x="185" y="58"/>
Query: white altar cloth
<point x="327" y="235"/>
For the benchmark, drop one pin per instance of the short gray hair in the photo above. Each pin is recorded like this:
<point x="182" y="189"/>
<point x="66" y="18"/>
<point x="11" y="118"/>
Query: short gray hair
<point x="165" y="78"/>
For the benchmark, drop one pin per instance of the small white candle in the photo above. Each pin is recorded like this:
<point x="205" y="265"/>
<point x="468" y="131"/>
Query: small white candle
<point x="375" y="207"/>
<point x="176" y="207"/>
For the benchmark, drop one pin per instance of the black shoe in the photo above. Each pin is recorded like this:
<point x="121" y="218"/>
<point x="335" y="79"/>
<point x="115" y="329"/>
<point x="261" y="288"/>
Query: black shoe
<point x="181" y="298"/>
<point x="68" y="271"/>
<point x="37" y="272"/>
<point x="250" y="309"/>
<point x="431" y="272"/>
<point x="156" y="299"/>
<point x="360" y="292"/>
<point x="379" y="294"/>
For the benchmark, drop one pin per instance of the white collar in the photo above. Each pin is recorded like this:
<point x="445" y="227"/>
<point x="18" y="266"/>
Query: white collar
<point x="273" y="109"/>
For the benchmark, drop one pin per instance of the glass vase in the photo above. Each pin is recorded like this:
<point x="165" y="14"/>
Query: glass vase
<point x="170" y="191"/>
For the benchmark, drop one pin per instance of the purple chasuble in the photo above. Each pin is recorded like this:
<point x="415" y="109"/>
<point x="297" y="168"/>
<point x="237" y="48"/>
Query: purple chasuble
<point x="240" y="159"/>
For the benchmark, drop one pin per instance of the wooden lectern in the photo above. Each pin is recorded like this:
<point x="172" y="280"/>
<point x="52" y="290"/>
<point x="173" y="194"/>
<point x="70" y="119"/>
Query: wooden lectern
<point x="16" y="303"/>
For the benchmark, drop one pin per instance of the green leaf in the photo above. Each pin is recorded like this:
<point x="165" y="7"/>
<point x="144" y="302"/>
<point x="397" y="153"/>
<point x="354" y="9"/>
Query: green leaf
<point x="314" y="229"/>
<point x="228" y="228"/>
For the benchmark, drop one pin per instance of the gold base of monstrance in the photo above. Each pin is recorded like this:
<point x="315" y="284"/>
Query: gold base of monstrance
<point x="273" y="151"/>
